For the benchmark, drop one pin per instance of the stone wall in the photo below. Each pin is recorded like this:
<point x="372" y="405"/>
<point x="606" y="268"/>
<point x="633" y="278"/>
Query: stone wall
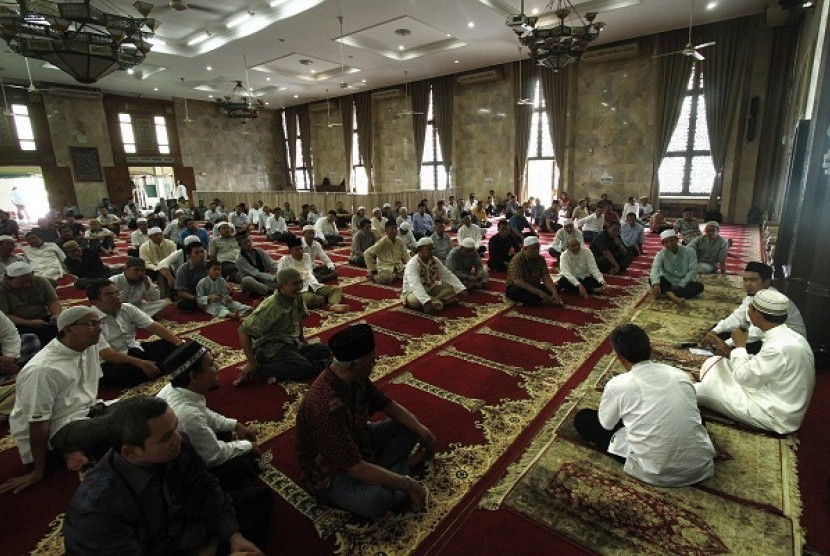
<point x="394" y="150"/>
<point x="327" y="146"/>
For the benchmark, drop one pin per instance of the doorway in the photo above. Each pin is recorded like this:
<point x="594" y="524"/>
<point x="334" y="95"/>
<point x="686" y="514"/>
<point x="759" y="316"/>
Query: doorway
<point x="151" y="184"/>
<point x="28" y="181"/>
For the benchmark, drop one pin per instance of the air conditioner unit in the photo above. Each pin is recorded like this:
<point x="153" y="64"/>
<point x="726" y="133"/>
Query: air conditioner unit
<point x="76" y="93"/>
<point x="321" y="107"/>
<point x="387" y="94"/>
<point x="610" y="54"/>
<point x="479" y="77"/>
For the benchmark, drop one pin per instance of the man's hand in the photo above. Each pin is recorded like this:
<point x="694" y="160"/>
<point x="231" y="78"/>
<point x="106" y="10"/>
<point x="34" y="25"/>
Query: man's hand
<point x="428" y="440"/>
<point x="583" y="292"/>
<point x="245" y="433"/>
<point x="417" y="494"/>
<point x="21" y="483"/>
<point x="719" y="347"/>
<point x="241" y="545"/>
<point x="213" y="298"/>
<point x="614" y="269"/>
<point x="462" y="295"/>
<point x="739" y="336"/>
<point x="8" y="365"/>
<point x="656" y="291"/>
<point x="149" y="368"/>
<point x="246" y="373"/>
<point x="603" y="289"/>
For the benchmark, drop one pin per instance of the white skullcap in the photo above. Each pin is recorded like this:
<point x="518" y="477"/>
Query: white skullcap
<point x="531" y="240"/>
<point x="223" y="223"/>
<point x="666" y="234"/>
<point x="376" y="209"/>
<point x="6" y="238"/>
<point x="361" y="208"/>
<point x="386" y="205"/>
<point x="567" y="221"/>
<point x="153" y="231"/>
<point x="18" y="268"/>
<point x="771" y="302"/>
<point x="192" y="239"/>
<point x="73" y="315"/>
<point x="179" y="211"/>
<point x="712" y="224"/>
<point x="308" y="228"/>
<point x="140" y="220"/>
<point x="424" y="241"/>
<point x="469" y="243"/>
<point x="405" y="226"/>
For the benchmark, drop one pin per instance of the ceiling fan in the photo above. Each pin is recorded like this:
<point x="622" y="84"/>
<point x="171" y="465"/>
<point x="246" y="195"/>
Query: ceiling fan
<point x="690" y="49"/>
<point x="407" y="111"/>
<point x="343" y="84"/>
<point x="329" y="124"/>
<point x="182" y="5"/>
<point x="522" y="101"/>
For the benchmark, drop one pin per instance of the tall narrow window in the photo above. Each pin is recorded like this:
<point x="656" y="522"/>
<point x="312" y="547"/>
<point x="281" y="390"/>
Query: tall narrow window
<point x="433" y="173"/>
<point x="23" y="125"/>
<point x="127" y="135"/>
<point x="541" y="171"/>
<point x="161" y="135"/>
<point x="300" y="171"/>
<point x="687" y="169"/>
<point x="360" y="180"/>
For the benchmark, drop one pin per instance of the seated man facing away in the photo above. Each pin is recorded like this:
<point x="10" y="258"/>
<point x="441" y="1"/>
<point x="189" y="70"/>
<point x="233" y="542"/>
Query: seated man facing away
<point x="272" y="336"/>
<point x="314" y="294"/>
<point x="150" y="465"/>
<point x="194" y="373"/>
<point x="674" y="271"/>
<point x="55" y="405"/>
<point x="649" y="417"/>
<point x="387" y="258"/>
<point x="770" y="390"/>
<point x="363" y="239"/>
<point x="346" y="460"/>
<point x="562" y="237"/>
<point x="464" y="262"/>
<point x="126" y="361"/>
<point x="501" y="245"/>
<point x="427" y="284"/>
<point x="579" y="271"/>
<point x="611" y="254"/>
<point x="29" y="301"/>
<point x="711" y="250"/>
<point x="137" y="288"/>
<point x="528" y="279"/>
<point x="757" y="276"/>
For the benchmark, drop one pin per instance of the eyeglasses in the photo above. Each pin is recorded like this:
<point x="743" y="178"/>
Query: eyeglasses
<point x="95" y="323"/>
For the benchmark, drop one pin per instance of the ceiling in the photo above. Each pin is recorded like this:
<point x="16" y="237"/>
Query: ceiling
<point x="293" y="54"/>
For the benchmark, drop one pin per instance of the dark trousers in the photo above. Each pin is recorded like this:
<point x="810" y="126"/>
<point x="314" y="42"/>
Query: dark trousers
<point x="690" y="290"/>
<point x="586" y="422"/>
<point x="324" y="274"/>
<point x="132" y="251"/>
<point x="254" y="505"/>
<point x="187" y="305"/>
<point x="589" y="282"/>
<point x="333" y="240"/>
<point x="589" y="236"/>
<point x="499" y="264"/>
<point x="87" y="435"/>
<point x="521" y="295"/>
<point x="358" y="261"/>
<point x="44" y="333"/>
<point x="623" y="259"/>
<point x="299" y="363"/>
<point x="752" y="348"/>
<point x="124" y="375"/>
<point x="237" y="472"/>
<point x="280" y="236"/>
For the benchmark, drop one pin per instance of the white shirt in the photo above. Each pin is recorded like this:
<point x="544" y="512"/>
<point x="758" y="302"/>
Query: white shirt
<point x="629" y="207"/>
<point x="663" y="439"/>
<point x="472" y="231"/>
<point x="201" y="425"/>
<point x="276" y="225"/>
<point x="118" y="332"/>
<point x="412" y="279"/>
<point x="58" y="385"/>
<point x="181" y="191"/>
<point x="739" y="318"/>
<point x="323" y="228"/>
<point x="239" y="220"/>
<point x="46" y="260"/>
<point x="139" y="238"/>
<point x="253" y="216"/>
<point x="379" y="226"/>
<point x="135" y="294"/>
<point x="9" y="337"/>
<point x="315" y="251"/>
<point x="560" y="240"/>
<point x="581" y="265"/>
<point x="17" y="197"/>
<point x="591" y="223"/>
<point x="304" y="267"/>
<point x="172" y="261"/>
<point x="153" y="254"/>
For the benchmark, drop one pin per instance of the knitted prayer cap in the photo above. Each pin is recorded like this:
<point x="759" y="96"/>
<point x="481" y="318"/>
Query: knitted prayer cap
<point x="6" y="238"/>
<point x="192" y="239"/>
<point x="666" y="234"/>
<point x="469" y="243"/>
<point x="183" y="358"/>
<point x="404" y="226"/>
<point x="293" y="241"/>
<point x="308" y="228"/>
<point x="771" y="302"/>
<point x="352" y="343"/>
<point x="712" y="224"/>
<point x="424" y="241"/>
<point x="531" y="240"/>
<point x="153" y="231"/>
<point x="73" y="315"/>
<point x="140" y="220"/>
<point x="287" y="275"/>
<point x="567" y="221"/>
<point x="18" y="268"/>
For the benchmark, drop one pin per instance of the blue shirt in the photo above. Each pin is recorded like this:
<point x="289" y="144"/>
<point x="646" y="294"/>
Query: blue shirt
<point x="678" y="268"/>
<point x="203" y="236"/>
<point x="422" y="224"/>
<point x="632" y="235"/>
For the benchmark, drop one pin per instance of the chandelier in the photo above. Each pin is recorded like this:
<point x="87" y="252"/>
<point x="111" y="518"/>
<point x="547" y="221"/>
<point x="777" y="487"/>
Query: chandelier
<point x="557" y="44"/>
<point x="240" y="103"/>
<point x="76" y="37"/>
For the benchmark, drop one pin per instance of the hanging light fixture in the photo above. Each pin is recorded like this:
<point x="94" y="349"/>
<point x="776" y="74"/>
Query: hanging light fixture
<point x="76" y="37"/>
<point x="558" y="43"/>
<point x="240" y="104"/>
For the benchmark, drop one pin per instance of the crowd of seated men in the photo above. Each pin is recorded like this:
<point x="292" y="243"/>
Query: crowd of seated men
<point x="761" y="374"/>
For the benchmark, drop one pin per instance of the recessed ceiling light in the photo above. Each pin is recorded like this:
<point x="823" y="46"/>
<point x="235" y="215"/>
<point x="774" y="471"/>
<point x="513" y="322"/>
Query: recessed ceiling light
<point x="267" y="79"/>
<point x="242" y="18"/>
<point x="155" y="88"/>
<point x="130" y="71"/>
<point x="400" y="47"/>
<point x="267" y="103"/>
<point x="296" y="96"/>
<point x="471" y="25"/>
<point x="210" y="96"/>
<point x="456" y="61"/>
<point x="534" y="11"/>
<point x="807" y="4"/>
<point x="198" y="38"/>
<point x="363" y="81"/>
<point x="209" y="68"/>
<point x="449" y="36"/>
<point x="711" y="5"/>
<point x="313" y="71"/>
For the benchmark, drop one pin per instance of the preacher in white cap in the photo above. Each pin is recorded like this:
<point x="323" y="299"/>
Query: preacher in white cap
<point x="62" y="377"/>
<point x="674" y="271"/>
<point x="528" y="278"/>
<point x="770" y="390"/>
<point x="427" y="284"/>
<point x="465" y="263"/>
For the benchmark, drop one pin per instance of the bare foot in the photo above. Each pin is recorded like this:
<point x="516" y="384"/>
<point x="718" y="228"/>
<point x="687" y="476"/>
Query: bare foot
<point x="234" y="315"/>
<point x="679" y="301"/>
<point x="75" y="461"/>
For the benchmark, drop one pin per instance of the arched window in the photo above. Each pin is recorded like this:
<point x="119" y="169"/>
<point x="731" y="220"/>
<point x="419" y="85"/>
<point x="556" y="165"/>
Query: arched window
<point x="541" y="171"/>
<point x="433" y="173"/>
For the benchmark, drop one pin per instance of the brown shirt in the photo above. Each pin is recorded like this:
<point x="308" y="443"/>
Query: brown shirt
<point x="528" y="270"/>
<point x="27" y="303"/>
<point x="331" y="427"/>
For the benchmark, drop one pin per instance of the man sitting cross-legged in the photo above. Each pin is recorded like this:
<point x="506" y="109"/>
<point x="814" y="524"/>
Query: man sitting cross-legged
<point x="528" y="279"/>
<point x="387" y="258"/>
<point x="138" y="289"/>
<point x="579" y="271"/>
<point x="346" y="460"/>
<point x="272" y="336"/>
<point x="227" y="446"/>
<point x="428" y="284"/>
<point x="648" y="416"/>
<point x="362" y="239"/>
<point x="126" y="361"/>
<point x="314" y="293"/>
<point x="465" y="263"/>
<point x="501" y="245"/>
<point x="560" y="240"/>
<point x="152" y="495"/>
<point x="258" y="269"/>
<point x="770" y="390"/>
<point x="674" y="271"/>
<point x="757" y="276"/>
<point x="55" y="405"/>
<point x="611" y="254"/>
<point x="29" y="301"/>
<point x="711" y="250"/>
<point x="324" y="272"/>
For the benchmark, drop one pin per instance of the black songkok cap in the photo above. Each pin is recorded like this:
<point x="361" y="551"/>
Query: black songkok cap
<point x="183" y="358"/>
<point x="352" y="343"/>
<point x="293" y="241"/>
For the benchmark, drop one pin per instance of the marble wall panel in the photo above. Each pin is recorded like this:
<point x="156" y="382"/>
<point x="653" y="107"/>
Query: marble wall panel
<point x="327" y="146"/>
<point x="394" y="163"/>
